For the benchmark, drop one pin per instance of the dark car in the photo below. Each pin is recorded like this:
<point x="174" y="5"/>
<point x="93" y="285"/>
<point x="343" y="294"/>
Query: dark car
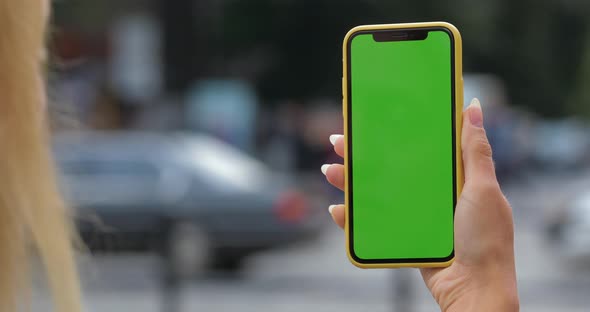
<point x="193" y="198"/>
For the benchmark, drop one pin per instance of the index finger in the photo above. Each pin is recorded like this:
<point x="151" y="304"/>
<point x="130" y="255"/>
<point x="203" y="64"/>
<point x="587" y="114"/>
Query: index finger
<point x="338" y="142"/>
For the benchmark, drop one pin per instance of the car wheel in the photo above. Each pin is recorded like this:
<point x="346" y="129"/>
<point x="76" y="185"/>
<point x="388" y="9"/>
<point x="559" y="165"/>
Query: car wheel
<point x="188" y="250"/>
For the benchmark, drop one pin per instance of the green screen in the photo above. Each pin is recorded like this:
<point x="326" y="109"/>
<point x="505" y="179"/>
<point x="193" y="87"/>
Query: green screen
<point x="401" y="148"/>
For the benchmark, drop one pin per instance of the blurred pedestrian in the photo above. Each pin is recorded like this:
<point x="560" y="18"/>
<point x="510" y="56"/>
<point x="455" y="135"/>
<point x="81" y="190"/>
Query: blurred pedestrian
<point x="32" y="213"/>
<point x="483" y="275"/>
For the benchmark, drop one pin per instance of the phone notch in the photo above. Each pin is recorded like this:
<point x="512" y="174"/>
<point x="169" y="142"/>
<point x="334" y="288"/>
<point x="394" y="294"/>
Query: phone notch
<point x="400" y="35"/>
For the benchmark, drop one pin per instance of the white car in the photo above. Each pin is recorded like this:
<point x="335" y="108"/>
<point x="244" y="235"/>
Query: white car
<point x="571" y="229"/>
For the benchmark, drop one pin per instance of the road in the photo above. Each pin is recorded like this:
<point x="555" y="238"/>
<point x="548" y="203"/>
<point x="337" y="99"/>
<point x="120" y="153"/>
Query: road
<point x="318" y="277"/>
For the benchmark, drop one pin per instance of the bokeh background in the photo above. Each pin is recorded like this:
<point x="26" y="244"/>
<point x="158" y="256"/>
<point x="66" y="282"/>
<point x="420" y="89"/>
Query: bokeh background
<point x="190" y="134"/>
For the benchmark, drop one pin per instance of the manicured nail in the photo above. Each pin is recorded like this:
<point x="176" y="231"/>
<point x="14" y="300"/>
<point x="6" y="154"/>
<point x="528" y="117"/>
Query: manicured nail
<point x="334" y="137"/>
<point x="325" y="169"/>
<point x="475" y="113"/>
<point x="331" y="208"/>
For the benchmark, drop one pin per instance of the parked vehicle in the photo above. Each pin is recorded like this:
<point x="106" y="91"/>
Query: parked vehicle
<point x="196" y="200"/>
<point x="562" y="145"/>
<point x="569" y="228"/>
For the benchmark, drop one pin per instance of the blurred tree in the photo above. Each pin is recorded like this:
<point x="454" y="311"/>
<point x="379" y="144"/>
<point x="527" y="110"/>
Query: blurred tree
<point x="291" y="49"/>
<point x="579" y="100"/>
<point x="534" y="46"/>
<point x="538" y="52"/>
<point x="181" y="56"/>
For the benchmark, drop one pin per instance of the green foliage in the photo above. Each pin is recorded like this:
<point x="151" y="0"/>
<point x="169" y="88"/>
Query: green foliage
<point x="536" y="47"/>
<point x="291" y="49"/>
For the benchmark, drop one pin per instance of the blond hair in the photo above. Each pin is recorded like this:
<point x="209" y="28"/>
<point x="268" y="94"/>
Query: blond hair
<point x="32" y="212"/>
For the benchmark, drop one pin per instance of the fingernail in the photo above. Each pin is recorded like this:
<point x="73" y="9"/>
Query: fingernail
<point x="325" y="169"/>
<point x="331" y="208"/>
<point x="334" y="137"/>
<point x="475" y="113"/>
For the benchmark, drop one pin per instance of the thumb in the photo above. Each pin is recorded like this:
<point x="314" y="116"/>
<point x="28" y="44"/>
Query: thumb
<point x="477" y="152"/>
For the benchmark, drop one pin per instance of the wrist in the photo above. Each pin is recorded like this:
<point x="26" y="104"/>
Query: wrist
<point x="499" y="294"/>
<point x="492" y="300"/>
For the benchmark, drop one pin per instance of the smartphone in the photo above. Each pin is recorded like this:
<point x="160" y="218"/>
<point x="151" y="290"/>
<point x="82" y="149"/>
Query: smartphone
<point x="402" y="98"/>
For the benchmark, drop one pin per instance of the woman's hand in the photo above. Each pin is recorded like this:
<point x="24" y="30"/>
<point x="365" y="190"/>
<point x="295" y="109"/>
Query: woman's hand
<point x="483" y="275"/>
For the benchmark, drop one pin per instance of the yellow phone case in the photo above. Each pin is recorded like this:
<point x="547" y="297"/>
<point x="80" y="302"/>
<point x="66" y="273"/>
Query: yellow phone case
<point x="458" y="123"/>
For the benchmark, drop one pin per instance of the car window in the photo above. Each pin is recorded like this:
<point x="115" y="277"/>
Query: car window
<point x="110" y="182"/>
<point x="225" y="168"/>
<point x="121" y="168"/>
